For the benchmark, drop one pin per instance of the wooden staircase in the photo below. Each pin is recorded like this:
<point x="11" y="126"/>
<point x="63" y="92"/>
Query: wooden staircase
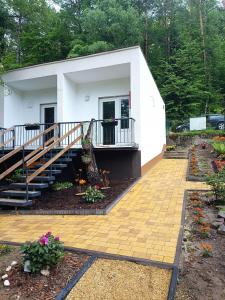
<point x="40" y="166"/>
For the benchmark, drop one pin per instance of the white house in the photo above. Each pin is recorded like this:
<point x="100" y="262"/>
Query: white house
<point x="106" y="86"/>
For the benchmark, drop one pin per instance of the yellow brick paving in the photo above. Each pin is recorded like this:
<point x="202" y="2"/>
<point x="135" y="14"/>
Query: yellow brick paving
<point x="144" y="224"/>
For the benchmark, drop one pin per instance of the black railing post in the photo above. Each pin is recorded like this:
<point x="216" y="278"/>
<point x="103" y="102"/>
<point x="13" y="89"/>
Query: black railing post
<point x="14" y="137"/>
<point x="27" y="190"/>
<point x="23" y="151"/>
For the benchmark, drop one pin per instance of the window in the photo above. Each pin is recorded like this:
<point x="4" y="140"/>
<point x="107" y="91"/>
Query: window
<point x="124" y="113"/>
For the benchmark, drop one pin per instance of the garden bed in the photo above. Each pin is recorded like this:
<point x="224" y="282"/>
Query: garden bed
<point x="25" y="286"/>
<point x="202" y="261"/>
<point x="200" y="163"/>
<point x="69" y="203"/>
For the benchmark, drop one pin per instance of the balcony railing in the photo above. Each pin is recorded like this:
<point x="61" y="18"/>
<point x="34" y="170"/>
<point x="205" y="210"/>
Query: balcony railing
<point x="106" y="133"/>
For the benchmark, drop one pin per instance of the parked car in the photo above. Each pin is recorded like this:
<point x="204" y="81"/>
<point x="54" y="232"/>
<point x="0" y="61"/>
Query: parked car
<point x="183" y="128"/>
<point x="216" y="121"/>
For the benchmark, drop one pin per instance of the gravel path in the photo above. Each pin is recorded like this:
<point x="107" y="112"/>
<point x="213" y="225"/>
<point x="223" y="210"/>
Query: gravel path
<point x="122" y="280"/>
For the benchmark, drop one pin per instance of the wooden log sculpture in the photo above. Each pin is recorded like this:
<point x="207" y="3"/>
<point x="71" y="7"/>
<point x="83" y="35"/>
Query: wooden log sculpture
<point x="93" y="174"/>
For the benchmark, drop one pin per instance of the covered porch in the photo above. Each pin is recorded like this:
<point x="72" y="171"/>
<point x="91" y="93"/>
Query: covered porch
<point x="102" y="94"/>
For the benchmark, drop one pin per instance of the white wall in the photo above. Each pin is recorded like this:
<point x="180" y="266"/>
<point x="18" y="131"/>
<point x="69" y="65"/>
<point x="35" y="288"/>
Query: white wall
<point x="13" y="112"/>
<point x="1" y="106"/>
<point x="86" y="110"/>
<point x="24" y="107"/>
<point x="152" y="116"/>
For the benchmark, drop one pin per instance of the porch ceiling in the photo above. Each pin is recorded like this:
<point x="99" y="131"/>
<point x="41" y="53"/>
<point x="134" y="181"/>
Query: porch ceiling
<point x="99" y="74"/>
<point x="35" y="83"/>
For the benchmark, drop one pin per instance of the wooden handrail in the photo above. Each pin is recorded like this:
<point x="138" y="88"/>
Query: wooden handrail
<point x="48" y="163"/>
<point x="20" y="162"/>
<point x="6" y="130"/>
<point x="13" y="152"/>
<point x="58" y="140"/>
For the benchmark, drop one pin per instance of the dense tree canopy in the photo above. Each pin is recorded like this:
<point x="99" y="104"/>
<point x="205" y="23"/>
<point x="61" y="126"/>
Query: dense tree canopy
<point x="183" y="41"/>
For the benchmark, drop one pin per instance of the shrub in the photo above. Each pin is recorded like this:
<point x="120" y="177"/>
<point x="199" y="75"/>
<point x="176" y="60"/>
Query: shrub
<point x="59" y="186"/>
<point x="170" y="147"/>
<point x="93" y="194"/>
<point x="45" y="252"/>
<point x="219" y="147"/>
<point x="5" y="249"/>
<point x="217" y="183"/>
<point x="15" y="176"/>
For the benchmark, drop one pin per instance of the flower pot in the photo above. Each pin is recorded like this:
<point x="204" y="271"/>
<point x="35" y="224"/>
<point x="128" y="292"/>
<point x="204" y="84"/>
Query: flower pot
<point x="86" y="159"/>
<point x="32" y="127"/>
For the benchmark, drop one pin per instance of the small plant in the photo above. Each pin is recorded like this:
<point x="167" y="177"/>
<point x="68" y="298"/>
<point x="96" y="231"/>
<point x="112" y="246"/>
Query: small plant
<point x="59" y="186"/>
<point x="5" y="249"/>
<point x="206" y="250"/>
<point x="196" y="203"/>
<point x="198" y="212"/>
<point x="203" y="145"/>
<point x="170" y="147"/>
<point x="105" y="177"/>
<point x="44" y="253"/>
<point x="205" y="231"/>
<point x="93" y="194"/>
<point x="198" y="220"/>
<point x="15" y="176"/>
<point x="219" y="148"/>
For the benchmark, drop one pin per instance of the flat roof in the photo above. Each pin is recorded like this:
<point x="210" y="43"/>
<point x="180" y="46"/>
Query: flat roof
<point x="75" y="58"/>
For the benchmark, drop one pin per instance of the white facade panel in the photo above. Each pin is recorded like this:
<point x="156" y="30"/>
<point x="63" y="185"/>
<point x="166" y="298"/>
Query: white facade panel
<point x="152" y="118"/>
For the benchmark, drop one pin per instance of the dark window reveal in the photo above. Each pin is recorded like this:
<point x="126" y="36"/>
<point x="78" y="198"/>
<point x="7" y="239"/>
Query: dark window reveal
<point x="124" y="114"/>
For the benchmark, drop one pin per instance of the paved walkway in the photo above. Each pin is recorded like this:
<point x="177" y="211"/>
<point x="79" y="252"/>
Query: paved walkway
<point x="144" y="224"/>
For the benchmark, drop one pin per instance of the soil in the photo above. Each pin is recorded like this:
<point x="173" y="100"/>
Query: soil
<point x="201" y="278"/>
<point x="25" y="286"/>
<point x="67" y="199"/>
<point x="122" y="280"/>
<point x="204" y="161"/>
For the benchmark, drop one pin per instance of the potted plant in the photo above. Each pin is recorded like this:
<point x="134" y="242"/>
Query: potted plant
<point x="34" y="126"/>
<point x="109" y="122"/>
<point x="86" y="159"/>
<point x="86" y="143"/>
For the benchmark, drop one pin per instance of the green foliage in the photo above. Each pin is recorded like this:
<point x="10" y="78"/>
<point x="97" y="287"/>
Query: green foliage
<point x="187" y="62"/>
<point x="5" y="249"/>
<point x="217" y="183"/>
<point x="45" y="252"/>
<point x="170" y="147"/>
<point x="93" y="194"/>
<point x="219" y="147"/>
<point x="203" y="133"/>
<point x="15" y="176"/>
<point x="59" y="186"/>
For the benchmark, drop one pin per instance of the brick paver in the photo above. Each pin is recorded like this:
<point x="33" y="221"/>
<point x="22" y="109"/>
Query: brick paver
<point x="144" y="224"/>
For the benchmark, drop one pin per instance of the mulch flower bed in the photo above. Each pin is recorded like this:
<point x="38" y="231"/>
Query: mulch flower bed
<point x="67" y="199"/>
<point x="200" y="161"/>
<point x="25" y="286"/>
<point x="202" y="262"/>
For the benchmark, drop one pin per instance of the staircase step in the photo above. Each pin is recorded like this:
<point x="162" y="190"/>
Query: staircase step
<point x="60" y="166"/>
<point x="20" y="194"/>
<point x="68" y="155"/>
<point x="15" y="202"/>
<point x="47" y="171"/>
<point x="40" y="178"/>
<point x="59" y="160"/>
<point x="36" y="186"/>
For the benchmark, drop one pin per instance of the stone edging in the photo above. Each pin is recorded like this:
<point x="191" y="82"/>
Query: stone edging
<point x="175" y="271"/>
<point x="86" y="211"/>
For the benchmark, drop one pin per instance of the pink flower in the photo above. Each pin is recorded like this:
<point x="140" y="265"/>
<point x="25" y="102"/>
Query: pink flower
<point x="48" y="234"/>
<point x="43" y="240"/>
<point x="97" y="187"/>
<point x="57" y="238"/>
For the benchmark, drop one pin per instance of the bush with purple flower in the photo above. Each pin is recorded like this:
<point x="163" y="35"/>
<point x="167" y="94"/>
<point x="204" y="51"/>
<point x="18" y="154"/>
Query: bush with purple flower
<point x="44" y="253"/>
